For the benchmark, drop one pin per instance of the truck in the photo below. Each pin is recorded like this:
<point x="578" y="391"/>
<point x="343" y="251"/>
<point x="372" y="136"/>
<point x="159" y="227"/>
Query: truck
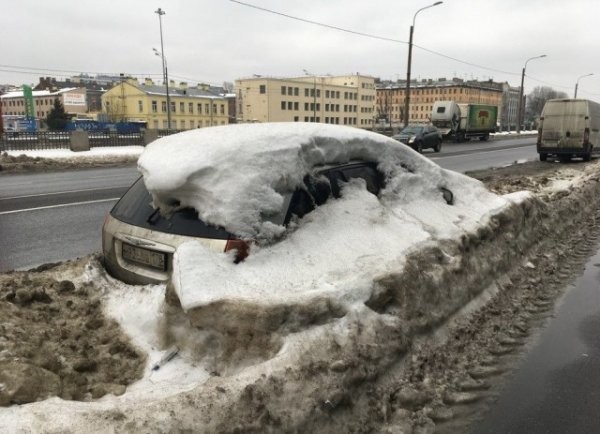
<point x="463" y="121"/>
<point x="569" y="128"/>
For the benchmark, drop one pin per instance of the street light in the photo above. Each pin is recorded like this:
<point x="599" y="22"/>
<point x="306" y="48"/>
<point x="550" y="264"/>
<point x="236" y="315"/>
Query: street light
<point x="577" y="83"/>
<point x="314" y="94"/>
<point x="410" y="40"/>
<point x="520" y="119"/>
<point x="160" y="13"/>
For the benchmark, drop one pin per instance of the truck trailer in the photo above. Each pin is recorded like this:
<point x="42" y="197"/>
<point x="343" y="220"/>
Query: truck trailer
<point x="463" y="121"/>
<point x="569" y="128"/>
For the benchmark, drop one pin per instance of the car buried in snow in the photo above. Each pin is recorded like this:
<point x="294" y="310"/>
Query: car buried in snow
<point x="241" y="187"/>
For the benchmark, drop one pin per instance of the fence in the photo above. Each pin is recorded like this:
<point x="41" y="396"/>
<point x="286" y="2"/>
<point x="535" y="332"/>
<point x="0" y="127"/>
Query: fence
<point x="41" y="140"/>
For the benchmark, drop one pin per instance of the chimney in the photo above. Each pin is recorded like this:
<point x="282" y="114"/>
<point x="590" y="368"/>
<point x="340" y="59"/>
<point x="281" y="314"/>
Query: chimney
<point x="148" y="82"/>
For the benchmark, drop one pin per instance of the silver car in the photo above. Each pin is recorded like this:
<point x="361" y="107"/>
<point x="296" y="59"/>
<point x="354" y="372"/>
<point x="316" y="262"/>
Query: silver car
<point x="138" y="242"/>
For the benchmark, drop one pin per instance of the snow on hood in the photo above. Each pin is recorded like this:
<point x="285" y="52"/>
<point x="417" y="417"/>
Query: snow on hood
<point x="235" y="175"/>
<point x="232" y="175"/>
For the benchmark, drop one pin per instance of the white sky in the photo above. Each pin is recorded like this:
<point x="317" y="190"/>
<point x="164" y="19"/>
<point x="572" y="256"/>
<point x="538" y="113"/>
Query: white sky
<point x="219" y="40"/>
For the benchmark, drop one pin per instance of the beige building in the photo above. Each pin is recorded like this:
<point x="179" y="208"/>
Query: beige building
<point x="390" y="98"/>
<point x="343" y="100"/>
<point x="191" y="107"/>
<point x="73" y="100"/>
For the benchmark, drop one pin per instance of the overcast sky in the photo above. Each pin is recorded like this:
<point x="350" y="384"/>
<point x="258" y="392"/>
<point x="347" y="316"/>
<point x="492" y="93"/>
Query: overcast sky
<point x="219" y="40"/>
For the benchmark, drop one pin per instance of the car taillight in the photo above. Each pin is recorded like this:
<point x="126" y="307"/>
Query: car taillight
<point x="242" y="248"/>
<point x="586" y="136"/>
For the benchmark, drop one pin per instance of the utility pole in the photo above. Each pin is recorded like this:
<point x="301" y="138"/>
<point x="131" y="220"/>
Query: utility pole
<point x="410" y="44"/>
<point x="160" y="13"/>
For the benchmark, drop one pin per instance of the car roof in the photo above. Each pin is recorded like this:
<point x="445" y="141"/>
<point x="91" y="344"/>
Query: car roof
<point x="234" y="174"/>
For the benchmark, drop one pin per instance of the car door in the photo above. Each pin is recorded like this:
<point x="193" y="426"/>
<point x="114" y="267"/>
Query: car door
<point x="430" y="137"/>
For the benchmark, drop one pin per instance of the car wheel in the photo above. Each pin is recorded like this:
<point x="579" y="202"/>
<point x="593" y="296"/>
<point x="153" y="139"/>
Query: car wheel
<point x="438" y="146"/>
<point x="543" y="157"/>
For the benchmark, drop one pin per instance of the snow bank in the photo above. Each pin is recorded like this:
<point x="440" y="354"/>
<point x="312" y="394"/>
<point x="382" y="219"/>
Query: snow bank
<point x="101" y="151"/>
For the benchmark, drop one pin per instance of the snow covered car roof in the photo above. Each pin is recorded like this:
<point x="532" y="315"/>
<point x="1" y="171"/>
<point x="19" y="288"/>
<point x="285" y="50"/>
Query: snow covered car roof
<point x="236" y="175"/>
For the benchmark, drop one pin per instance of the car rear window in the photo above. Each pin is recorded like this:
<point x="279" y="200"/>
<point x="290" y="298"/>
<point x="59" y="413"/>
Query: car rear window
<point x="135" y="209"/>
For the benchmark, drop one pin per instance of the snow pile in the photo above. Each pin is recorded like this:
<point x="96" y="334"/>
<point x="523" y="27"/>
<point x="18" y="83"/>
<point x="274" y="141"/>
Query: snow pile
<point x="96" y="152"/>
<point x="235" y="175"/>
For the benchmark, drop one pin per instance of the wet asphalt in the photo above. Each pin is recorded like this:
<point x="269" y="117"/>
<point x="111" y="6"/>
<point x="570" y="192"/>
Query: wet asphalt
<point x="556" y="388"/>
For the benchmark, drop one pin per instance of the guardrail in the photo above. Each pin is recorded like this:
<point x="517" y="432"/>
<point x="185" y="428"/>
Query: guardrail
<point x="23" y="141"/>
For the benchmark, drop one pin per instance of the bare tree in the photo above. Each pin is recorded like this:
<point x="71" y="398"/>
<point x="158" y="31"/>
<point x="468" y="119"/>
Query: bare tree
<point x="537" y="98"/>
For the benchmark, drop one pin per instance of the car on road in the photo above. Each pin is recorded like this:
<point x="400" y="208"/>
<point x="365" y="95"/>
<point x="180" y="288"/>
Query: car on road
<point x="420" y="137"/>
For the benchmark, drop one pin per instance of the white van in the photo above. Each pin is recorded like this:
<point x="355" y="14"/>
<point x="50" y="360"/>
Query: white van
<point x="569" y="128"/>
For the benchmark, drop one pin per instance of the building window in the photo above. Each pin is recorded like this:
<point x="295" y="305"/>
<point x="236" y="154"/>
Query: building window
<point x="318" y="93"/>
<point x="222" y="111"/>
<point x="306" y="92"/>
<point x="140" y="107"/>
<point x="282" y="105"/>
<point x="173" y="107"/>
<point x="154" y="106"/>
<point x="290" y="90"/>
<point x="199" y="108"/>
<point x="190" y="107"/>
<point x="296" y="118"/>
<point x="305" y="106"/>
<point x="262" y="88"/>
<point x="296" y="91"/>
<point x="290" y="105"/>
<point x="182" y="107"/>
<point x="283" y="90"/>
<point x="296" y="105"/>
<point x="206" y="109"/>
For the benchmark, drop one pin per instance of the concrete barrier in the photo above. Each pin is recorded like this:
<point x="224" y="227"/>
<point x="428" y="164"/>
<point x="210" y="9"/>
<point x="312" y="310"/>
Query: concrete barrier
<point x="150" y="135"/>
<point x="79" y="141"/>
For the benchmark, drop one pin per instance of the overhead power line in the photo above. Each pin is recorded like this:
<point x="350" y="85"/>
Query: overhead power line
<point x="369" y="35"/>
<point x="32" y="70"/>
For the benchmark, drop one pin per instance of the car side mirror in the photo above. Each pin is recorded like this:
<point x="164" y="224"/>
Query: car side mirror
<point x="447" y="195"/>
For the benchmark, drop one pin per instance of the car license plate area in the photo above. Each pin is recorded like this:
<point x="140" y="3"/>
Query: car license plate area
<point x="141" y="256"/>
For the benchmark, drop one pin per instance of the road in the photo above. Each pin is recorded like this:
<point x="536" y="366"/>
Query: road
<point x="50" y="217"/>
<point x="556" y="388"/>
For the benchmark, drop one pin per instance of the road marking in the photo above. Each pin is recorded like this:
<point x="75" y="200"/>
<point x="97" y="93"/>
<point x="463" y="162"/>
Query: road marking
<point x="87" y="202"/>
<point x="61" y="192"/>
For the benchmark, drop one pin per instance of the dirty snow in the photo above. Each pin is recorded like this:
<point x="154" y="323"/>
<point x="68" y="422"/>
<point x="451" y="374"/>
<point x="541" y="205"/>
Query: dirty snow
<point x="183" y="392"/>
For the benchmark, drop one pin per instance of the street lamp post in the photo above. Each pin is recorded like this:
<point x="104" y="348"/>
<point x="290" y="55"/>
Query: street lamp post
<point x="577" y="83"/>
<point x="520" y="118"/>
<point x="314" y="94"/>
<point x="410" y="44"/>
<point x="160" y="13"/>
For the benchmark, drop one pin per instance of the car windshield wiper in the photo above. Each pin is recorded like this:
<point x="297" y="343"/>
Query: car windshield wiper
<point x="151" y="218"/>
